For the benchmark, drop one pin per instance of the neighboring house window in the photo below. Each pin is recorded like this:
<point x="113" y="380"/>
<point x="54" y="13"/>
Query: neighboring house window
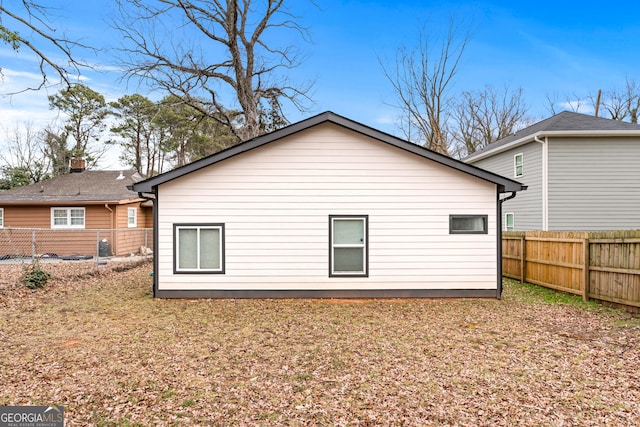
<point x="518" y="165"/>
<point x="67" y="217"/>
<point x="132" y="217"/>
<point x="348" y="252"/>
<point x="199" y="248"/>
<point x="508" y="221"/>
<point x="1" y="217"/>
<point x="468" y="224"/>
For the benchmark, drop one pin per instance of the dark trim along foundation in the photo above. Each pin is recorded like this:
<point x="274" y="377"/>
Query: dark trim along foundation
<point x="329" y="293"/>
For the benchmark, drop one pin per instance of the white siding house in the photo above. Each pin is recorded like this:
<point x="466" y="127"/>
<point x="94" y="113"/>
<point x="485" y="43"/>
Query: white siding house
<point x="330" y="208"/>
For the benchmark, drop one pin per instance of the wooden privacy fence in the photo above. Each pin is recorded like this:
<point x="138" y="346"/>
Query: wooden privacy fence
<point x="598" y="265"/>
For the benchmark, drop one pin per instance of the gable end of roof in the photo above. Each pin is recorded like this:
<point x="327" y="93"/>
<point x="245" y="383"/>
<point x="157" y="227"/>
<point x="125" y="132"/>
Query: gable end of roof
<point x="504" y="184"/>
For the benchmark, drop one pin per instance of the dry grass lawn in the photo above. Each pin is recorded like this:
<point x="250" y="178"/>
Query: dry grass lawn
<point x="103" y="348"/>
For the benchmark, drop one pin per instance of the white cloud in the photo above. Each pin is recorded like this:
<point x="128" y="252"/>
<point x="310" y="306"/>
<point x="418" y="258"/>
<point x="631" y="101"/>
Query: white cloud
<point x="579" y="106"/>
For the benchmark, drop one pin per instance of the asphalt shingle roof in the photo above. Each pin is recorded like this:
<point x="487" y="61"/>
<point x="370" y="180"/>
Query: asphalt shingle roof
<point x="565" y="121"/>
<point x="86" y="186"/>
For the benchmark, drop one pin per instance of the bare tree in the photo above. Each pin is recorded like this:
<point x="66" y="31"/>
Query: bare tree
<point x="23" y="154"/>
<point x="623" y="104"/>
<point x="574" y="102"/>
<point x="236" y="33"/>
<point x="28" y="17"/>
<point x="422" y="80"/>
<point x="487" y="116"/>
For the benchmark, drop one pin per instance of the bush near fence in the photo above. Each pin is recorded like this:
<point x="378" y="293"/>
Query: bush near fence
<point x="596" y="265"/>
<point x="36" y="242"/>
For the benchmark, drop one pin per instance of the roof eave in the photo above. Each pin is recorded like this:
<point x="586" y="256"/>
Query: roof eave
<point x="70" y="202"/>
<point x="550" y="133"/>
<point x="150" y="184"/>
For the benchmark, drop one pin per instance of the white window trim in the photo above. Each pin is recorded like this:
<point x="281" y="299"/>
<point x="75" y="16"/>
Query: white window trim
<point x="1" y="217"/>
<point x="198" y="227"/>
<point x="506" y="222"/>
<point x="68" y="224"/>
<point x="364" y="245"/>
<point x="135" y="217"/>
<point x="515" y="165"/>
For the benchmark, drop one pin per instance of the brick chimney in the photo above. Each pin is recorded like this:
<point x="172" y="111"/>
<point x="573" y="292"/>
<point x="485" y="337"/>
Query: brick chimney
<point x="76" y="165"/>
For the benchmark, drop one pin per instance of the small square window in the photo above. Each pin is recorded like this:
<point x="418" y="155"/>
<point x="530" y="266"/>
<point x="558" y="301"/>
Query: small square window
<point x="468" y="224"/>
<point x="518" y="165"/>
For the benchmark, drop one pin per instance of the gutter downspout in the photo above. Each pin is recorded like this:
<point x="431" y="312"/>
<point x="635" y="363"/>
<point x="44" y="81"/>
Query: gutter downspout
<point x="545" y="181"/>
<point x="156" y="262"/>
<point x="111" y="221"/>
<point x="154" y="200"/>
<point x="499" y="240"/>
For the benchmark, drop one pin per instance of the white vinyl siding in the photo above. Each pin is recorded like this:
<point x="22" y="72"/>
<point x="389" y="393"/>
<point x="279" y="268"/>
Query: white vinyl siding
<point x="275" y="201"/>
<point x="68" y="217"/>
<point x="132" y="217"/>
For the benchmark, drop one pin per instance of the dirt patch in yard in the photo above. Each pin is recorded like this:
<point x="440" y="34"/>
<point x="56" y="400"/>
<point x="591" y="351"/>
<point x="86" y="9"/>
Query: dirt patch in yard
<point x="112" y="355"/>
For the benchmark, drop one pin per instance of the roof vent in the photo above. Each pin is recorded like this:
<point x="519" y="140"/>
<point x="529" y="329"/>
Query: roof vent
<point x="121" y="176"/>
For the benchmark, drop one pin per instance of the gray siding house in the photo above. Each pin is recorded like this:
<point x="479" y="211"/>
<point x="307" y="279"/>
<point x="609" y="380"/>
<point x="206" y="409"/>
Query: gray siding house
<point x="582" y="174"/>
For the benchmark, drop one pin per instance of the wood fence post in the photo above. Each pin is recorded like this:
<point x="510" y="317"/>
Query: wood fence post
<point x="523" y="257"/>
<point x="587" y="264"/>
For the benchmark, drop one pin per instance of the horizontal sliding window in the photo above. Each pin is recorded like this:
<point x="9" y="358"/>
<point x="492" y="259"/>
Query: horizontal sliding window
<point x="468" y="224"/>
<point x="199" y="248"/>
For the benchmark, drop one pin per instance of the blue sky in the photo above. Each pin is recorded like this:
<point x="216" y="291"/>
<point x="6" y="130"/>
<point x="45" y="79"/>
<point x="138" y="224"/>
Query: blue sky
<point x="564" y="48"/>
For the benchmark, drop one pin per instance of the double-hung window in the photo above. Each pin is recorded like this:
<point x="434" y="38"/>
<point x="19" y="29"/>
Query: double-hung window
<point x="348" y="252"/>
<point x="518" y="165"/>
<point x="509" y="221"/>
<point x="67" y="217"/>
<point x="198" y="248"/>
<point x="132" y="217"/>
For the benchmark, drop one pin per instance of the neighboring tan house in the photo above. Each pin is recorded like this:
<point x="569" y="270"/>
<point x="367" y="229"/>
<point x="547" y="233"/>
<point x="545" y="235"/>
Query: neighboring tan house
<point x="327" y="207"/>
<point x="582" y="174"/>
<point x="68" y="210"/>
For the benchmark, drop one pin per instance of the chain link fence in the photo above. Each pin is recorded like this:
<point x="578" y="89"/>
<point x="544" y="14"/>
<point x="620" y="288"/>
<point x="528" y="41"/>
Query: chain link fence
<point x="48" y="244"/>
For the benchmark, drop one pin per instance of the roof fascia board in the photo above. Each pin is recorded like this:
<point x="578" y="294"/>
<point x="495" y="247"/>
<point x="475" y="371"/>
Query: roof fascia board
<point x="505" y="184"/>
<point x="68" y="202"/>
<point x="147" y="185"/>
